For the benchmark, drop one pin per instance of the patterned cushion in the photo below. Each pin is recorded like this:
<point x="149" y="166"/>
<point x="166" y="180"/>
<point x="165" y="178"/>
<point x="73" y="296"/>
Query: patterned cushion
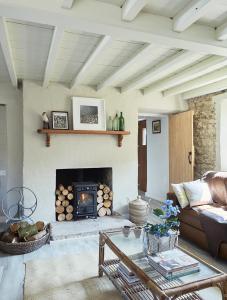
<point x="198" y="193"/>
<point x="181" y="195"/>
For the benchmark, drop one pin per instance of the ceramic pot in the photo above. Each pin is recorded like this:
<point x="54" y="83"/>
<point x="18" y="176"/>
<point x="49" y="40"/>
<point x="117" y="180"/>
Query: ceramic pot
<point x="138" y="211"/>
<point x="137" y="231"/>
<point x="126" y="230"/>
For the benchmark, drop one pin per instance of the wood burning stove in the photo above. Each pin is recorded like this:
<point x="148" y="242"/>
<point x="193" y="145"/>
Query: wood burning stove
<point x="85" y="199"/>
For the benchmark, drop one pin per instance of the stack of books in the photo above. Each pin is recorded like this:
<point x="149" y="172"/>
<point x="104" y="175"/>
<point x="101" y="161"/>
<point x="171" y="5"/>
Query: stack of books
<point x="127" y="274"/>
<point x="173" y="263"/>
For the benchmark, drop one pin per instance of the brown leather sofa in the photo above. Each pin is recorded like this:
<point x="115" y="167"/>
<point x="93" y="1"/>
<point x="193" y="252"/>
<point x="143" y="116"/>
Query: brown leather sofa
<point x="190" y="227"/>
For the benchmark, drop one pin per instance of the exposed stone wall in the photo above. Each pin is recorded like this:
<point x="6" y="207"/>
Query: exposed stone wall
<point x="204" y="133"/>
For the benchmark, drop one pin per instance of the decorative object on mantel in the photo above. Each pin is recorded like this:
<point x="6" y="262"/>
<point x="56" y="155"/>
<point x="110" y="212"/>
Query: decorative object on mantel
<point x="88" y="113"/>
<point x="60" y="120"/>
<point x="64" y="203"/>
<point x="104" y="200"/>
<point x="46" y="123"/>
<point x="138" y="211"/>
<point x="116" y="123"/>
<point x="49" y="132"/>
<point x="121" y="122"/>
<point x="110" y="124"/>
<point x="156" y="126"/>
<point x="162" y="236"/>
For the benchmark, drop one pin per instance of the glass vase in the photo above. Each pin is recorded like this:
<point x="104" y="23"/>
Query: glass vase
<point x="116" y="123"/>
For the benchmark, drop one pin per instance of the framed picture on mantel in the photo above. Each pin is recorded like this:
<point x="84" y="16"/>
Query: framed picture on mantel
<point x="60" y="120"/>
<point x="88" y="113"/>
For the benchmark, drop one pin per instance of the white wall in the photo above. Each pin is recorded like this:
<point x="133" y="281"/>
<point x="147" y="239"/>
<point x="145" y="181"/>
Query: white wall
<point x="3" y="155"/>
<point x="221" y="131"/>
<point x="221" y="108"/>
<point x="158" y="159"/>
<point x="78" y="151"/>
<point x="12" y="98"/>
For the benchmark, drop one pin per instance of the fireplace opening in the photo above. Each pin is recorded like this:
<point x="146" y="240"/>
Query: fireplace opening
<point x="83" y="193"/>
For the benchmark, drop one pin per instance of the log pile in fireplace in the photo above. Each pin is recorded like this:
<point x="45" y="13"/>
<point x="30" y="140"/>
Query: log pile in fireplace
<point x="104" y="200"/>
<point x="64" y="203"/>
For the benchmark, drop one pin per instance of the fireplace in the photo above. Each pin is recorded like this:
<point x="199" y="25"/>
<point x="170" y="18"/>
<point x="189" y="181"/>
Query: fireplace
<point x="85" y="199"/>
<point x="78" y="193"/>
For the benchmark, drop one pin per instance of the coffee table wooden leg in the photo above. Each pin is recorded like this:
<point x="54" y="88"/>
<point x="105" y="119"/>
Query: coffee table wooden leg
<point x="224" y="290"/>
<point x="223" y="287"/>
<point x="102" y="241"/>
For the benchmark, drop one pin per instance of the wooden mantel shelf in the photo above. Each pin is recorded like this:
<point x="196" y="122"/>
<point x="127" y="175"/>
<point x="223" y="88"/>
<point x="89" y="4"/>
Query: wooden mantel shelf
<point x="49" y="132"/>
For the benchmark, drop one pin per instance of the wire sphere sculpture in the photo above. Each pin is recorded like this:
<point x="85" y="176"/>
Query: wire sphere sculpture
<point x="17" y="211"/>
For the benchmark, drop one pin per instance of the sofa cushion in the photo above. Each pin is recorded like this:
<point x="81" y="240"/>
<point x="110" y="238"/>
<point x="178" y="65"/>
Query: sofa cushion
<point x="198" y="193"/>
<point x="217" y="182"/>
<point x="181" y="195"/>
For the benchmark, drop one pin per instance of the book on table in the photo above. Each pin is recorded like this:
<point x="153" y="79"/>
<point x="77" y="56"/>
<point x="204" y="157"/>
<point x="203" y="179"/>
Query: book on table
<point x="127" y="274"/>
<point x="173" y="263"/>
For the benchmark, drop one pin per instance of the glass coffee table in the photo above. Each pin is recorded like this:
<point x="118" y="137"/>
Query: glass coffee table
<point x="151" y="284"/>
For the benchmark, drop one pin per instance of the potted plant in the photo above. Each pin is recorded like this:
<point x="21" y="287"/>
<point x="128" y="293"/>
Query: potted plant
<point x="162" y="236"/>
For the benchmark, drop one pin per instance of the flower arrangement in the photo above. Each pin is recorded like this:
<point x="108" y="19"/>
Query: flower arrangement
<point x="169" y="216"/>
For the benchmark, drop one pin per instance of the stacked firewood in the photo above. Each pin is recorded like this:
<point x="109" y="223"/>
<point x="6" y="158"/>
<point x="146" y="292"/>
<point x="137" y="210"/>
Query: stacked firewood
<point x="104" y="200"/>
<point x="64" y="205"/>
<point x="24" y="232"/>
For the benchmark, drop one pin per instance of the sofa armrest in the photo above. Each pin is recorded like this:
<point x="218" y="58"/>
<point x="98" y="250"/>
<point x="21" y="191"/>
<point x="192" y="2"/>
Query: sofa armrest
<point x="173" y="197"/>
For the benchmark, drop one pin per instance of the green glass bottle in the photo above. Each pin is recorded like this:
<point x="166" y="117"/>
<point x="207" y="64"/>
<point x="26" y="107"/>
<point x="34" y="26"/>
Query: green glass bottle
<point x="121" y="122"/>
<point x="110" y="124"/>
<point x="116" y="123"/>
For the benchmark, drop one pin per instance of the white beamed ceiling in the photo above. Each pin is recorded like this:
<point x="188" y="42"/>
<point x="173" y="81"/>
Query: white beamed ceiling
<point x="29" y="45"/>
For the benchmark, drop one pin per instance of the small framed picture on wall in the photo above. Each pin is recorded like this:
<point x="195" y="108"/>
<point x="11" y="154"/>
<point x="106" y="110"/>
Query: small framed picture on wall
<point x="60" y="120"/>
<point x="156" y="126"/>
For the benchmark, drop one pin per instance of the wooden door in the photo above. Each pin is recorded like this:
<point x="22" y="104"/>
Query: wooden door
<point x="181" y="149"/>
<point x="142" y="156"/>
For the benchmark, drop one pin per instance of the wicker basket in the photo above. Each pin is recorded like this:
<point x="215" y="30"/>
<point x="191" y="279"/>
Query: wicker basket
<point x="24" y="247"/>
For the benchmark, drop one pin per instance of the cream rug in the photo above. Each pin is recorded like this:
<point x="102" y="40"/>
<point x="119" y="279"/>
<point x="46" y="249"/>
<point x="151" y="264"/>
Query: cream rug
<point x="72" y="276"/>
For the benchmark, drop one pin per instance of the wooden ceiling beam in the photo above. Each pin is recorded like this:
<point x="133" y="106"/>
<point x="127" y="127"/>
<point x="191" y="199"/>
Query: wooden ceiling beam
<point x="206" y="66"/>
<point x="164" y="68"/>
<point x="104" y="42"/>
<point x="198" y="82"/>
<point x="221" y="32"/>
<point x="133" y="60"/>
<point x="190" y="14"/>
<point x="131" y="8"/>
<point x="67" y="4"/>
<point x="55" y="44"/>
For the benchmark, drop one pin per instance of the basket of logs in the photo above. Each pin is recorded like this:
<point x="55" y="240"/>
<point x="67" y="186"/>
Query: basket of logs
<point x="64" y="203"/>
<point x="23" y="238"/>
<point x="104" y="200"/>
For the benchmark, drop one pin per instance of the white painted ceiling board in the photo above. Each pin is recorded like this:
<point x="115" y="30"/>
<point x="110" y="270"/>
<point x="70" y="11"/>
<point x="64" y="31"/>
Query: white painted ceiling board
<point x="74" y="50"/>
<point x="30" y="46"/>
<point x="146" y="64"/>
<point x="98" y="74"/>
<point x="112" y="58"/>
<point x="167" y="8"/>
<point x="4" y="74"/>
<point x="156" y="54"/>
